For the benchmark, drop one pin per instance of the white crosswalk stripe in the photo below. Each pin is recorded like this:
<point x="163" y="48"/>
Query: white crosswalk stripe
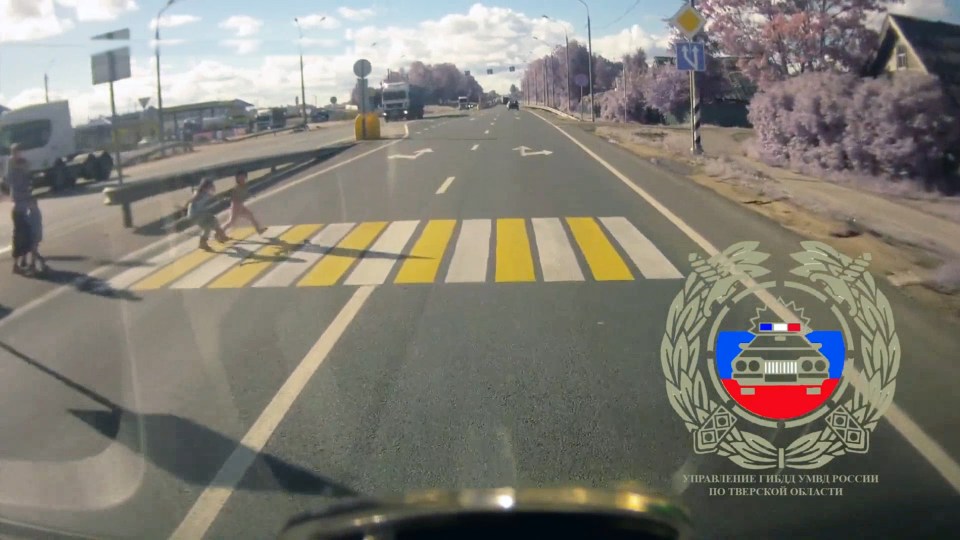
<point x="557" y="259"/>
<point x="648" y="259"/>
<point x="472" y="252"/>
<point x="374" y="268"/>
<point x="301" y="260"/>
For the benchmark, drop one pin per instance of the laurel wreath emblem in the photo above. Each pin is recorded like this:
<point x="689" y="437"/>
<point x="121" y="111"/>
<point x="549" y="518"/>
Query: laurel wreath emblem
<point x="848" y="426"/>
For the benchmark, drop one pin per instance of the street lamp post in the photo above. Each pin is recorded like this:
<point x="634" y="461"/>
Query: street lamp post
<point x="46" y="81"/>
<point x="156" y="39"/>
<point x="303" y="88"/>
<point x="593" y="111"/>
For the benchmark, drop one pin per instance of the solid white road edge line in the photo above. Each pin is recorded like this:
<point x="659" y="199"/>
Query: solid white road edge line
<point x="445" y="185"/>
<point x="213" y="498"/>
<point x="897" y="417"/>
<point x="180" y="237"/>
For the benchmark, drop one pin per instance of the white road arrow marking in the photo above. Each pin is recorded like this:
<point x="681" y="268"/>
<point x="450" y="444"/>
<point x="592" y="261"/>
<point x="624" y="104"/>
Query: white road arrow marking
<point x="524" y="152"/>
<point x="415" y="155"/>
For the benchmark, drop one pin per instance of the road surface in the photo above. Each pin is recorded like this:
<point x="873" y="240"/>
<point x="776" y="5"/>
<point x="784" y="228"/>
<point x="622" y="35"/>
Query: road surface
<point x="479" y="304"/>
<point x="65" y="212"/>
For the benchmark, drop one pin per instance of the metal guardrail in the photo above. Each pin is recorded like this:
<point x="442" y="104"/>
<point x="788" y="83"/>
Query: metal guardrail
<point x="557" y="112"/>
<point x="145" y="155"/>
<point x="127" y="194"/>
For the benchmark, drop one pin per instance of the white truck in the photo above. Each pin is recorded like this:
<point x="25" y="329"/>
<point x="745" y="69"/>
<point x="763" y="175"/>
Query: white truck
<point x="49" y="144"/>
<point x="402" y="100"/>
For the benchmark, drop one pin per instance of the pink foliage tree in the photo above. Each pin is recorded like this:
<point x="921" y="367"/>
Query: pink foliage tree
<point x="777" y="39"/>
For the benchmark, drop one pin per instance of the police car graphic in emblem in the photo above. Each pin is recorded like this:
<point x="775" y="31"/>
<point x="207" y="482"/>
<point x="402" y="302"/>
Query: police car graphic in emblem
<point x="780" y="370"/>
<point x="784" y="394"/>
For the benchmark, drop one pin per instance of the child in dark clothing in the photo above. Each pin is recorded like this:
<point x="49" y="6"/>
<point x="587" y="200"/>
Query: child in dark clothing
<point x="199" y="211"/>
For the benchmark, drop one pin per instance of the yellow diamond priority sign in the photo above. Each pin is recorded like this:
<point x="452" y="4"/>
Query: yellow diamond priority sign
<point x="688" y="21"/>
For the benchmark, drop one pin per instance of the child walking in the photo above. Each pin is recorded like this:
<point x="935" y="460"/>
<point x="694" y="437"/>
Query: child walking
<point x="238" y="207"/>
<point x="199" y="211"/>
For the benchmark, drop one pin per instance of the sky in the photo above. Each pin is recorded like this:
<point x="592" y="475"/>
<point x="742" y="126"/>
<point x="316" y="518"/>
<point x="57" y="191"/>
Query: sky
<point x="249" y="49"/>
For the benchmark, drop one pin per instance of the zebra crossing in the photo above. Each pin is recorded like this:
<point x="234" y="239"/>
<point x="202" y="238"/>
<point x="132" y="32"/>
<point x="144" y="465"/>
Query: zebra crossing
<point x="409" y="252"/>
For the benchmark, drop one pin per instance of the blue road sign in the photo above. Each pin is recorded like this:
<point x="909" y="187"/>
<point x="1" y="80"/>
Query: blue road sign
<point x="691" y="56"/>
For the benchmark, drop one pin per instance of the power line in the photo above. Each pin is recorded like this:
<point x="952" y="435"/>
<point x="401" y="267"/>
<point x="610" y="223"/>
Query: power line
<point x="620" y="18"/>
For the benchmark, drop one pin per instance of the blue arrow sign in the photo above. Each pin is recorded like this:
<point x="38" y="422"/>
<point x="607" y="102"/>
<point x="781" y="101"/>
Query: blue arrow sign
<point x="691" y="56"/>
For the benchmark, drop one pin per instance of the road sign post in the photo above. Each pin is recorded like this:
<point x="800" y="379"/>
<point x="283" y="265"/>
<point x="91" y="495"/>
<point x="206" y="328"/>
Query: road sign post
<point x="108" y="67"/>
<point x="362" y="68"/>
<point x="691" y="57"/>
<point x="581" y="80"/>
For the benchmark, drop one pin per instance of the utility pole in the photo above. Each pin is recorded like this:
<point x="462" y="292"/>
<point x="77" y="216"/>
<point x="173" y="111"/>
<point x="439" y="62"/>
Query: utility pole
<point x="303" y="88"/>
<point x="593" y="110"/>
<point x="46" y="88"/>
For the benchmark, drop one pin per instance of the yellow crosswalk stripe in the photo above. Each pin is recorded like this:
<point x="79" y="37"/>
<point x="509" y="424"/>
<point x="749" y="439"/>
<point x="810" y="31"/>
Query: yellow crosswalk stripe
<point x="514" y="260"/>
<point x="427" y="253"/>
<point x="265" y="257"/>
<point x="333" y="265"/>
<point x="182" y="266"/>
<point x="602" y="258"/>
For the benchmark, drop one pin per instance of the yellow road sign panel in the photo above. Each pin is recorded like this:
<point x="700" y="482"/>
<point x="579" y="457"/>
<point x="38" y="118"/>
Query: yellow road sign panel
<point x="689" y="21"/>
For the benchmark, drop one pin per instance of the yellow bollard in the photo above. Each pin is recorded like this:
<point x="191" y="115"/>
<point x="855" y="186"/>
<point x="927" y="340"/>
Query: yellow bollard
<point x="358" y="127"/>
<point x="373" y="126"/>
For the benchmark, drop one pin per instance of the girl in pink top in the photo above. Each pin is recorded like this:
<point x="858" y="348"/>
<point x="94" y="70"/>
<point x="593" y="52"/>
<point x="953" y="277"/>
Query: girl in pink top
<point x="238" y="207"/>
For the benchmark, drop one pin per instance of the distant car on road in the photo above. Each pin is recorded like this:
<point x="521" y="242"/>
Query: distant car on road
<point x="514" y="104"/>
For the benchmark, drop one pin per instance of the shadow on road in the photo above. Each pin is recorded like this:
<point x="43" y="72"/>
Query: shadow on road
<point x="4" y="311"/>
<point x="288" y="248"/>
<point x="84" y="283"/>
<point x="175" y="221"/>
<point x="186" y="449"/>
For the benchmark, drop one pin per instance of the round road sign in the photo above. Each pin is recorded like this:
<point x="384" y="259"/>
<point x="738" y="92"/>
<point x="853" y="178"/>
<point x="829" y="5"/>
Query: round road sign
<point x="580" y="80"/>
<point x="362" y="68"/>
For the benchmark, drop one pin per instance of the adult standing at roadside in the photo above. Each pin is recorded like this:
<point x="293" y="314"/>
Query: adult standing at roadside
<point x="27" y="220"/>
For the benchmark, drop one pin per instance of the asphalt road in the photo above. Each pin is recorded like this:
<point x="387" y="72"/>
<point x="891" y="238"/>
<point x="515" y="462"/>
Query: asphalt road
<point x="454" y="309"/>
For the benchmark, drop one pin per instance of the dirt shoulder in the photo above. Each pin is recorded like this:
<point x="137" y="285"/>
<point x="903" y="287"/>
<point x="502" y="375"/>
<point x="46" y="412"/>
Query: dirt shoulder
<point x="915" y="241"/>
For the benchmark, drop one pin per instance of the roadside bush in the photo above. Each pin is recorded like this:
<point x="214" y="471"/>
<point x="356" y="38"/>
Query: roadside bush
<point x="667" y="90"/>
<point x="910" y="126"/>
<point x="801" y="122"/>
<point x="891" y="127"/>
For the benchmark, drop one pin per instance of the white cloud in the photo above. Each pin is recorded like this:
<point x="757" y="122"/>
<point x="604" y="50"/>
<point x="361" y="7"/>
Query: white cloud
<point x="319" y="20"/>
<point x="24" y="20"/>
<point x="242" y="46"/>
<point x="627" y="41"/>
<point x="925" y="9"/>
<point x="167" y="42"/>
<point x="99" y="10"/>
<point x="320" y="42"/>
<point x="170" y="21"/>
<point x="356" y="14"/>
<point x="242" y="25"/>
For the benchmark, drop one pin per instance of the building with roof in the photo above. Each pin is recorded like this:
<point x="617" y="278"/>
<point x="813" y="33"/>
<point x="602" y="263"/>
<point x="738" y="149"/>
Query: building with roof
<point x="913" y="44"/>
